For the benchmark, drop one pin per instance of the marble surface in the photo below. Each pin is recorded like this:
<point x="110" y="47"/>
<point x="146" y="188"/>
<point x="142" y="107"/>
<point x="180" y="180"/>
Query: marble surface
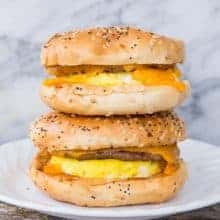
<point x="25" y="24"/>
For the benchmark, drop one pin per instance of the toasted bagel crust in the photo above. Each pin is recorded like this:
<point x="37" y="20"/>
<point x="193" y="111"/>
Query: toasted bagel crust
<point x="57" y="131"/>
<point x="92" y="100"/>
<point x="111" y="46"/>
<point x="84" y="192"/>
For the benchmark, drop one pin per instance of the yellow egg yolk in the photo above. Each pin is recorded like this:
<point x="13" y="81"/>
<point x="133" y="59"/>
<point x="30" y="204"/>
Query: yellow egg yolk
<point x="131" y="74"/>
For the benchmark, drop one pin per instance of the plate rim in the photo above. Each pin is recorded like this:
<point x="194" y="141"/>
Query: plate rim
<point x="92" y="212"/>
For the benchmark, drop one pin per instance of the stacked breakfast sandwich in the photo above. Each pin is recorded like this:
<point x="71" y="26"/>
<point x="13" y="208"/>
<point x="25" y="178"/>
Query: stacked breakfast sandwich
<point x="112" y="136"/>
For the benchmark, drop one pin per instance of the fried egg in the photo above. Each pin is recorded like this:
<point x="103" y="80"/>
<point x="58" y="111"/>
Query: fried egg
<point x="147" y="76"/>
<point x="105" y="168"/>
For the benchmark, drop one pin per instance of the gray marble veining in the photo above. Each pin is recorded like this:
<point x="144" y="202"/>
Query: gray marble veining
<point x="26" y="24"/>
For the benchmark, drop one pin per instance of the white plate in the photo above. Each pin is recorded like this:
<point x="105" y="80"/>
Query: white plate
<point x="202" y="188"/>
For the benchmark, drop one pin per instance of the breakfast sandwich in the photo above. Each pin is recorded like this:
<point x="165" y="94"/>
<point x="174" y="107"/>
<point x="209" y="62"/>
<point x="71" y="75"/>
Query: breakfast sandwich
<point x="112" y="71"/>
<point x="108" y="161"/>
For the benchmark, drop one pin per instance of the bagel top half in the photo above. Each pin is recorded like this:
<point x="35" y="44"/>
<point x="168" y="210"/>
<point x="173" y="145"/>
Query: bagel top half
<point x="57" y="131"/>
<point x="110" y="46"/>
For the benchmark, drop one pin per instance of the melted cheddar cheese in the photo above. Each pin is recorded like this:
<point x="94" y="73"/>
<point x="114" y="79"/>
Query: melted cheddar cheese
<point x="131" y="74"/>
<point x="169" y="152"/>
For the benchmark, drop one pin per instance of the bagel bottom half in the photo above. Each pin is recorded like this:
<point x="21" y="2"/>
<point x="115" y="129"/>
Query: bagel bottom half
<point x="123" y="101"/>
<point x="91" y="193"/>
